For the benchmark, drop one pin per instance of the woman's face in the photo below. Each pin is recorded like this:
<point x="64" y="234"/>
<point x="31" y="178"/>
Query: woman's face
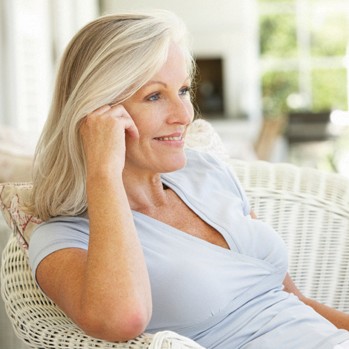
<point x="161" y="110"/>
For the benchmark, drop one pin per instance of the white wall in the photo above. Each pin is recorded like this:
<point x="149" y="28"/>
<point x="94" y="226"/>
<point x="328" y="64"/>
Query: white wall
<point x="226" y="28"/>
<point x="33" y="34"/>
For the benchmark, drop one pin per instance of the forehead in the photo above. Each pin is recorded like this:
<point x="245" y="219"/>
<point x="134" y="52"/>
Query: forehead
<point x="175" y="66"/>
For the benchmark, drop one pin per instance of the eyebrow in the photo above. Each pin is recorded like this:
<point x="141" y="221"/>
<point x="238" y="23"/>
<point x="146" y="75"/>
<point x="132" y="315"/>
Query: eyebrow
<point x="153" y="82"/>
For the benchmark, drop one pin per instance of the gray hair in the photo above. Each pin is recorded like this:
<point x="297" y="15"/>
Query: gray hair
<point x="106" y="62"/>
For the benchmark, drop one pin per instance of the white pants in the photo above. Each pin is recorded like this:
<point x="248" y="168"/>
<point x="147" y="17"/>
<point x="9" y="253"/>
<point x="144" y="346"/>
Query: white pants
<point x="344" y="345"/>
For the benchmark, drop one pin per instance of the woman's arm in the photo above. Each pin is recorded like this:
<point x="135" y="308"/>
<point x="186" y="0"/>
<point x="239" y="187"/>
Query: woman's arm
<point x="338" y="318"/>
<point x="106" y="289"/>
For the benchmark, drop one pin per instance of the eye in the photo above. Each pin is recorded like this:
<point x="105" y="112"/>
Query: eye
<point x="184" y="91"/>
<point x="154" y="97"/>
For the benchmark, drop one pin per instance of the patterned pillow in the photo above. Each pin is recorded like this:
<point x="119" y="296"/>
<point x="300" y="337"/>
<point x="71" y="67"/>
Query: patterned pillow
<point x="12" y="198"/>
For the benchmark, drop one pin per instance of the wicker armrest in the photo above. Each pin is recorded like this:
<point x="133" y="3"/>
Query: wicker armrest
<point x="41" y="324"/>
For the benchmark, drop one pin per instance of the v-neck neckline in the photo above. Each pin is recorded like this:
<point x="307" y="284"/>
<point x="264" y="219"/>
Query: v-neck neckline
<point x="180" y="193"/>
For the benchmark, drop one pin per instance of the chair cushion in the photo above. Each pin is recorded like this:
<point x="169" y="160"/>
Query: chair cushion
<point x="16" y="154"/>
<point x="14" y="167"/>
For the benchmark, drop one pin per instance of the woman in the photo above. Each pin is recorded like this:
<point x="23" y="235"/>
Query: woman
<point x="141" y="235"/>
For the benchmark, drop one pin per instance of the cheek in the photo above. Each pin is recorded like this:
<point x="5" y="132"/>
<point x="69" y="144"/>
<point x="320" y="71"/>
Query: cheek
<point x="147" y="124"/>
<point x="140" y="117"/>
<point x="190" y="109"/>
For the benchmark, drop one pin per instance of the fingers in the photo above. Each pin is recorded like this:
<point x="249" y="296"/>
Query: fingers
<point x="120" y="112"/>
<point x="103" y="137"/>
<point x="117" y="111"/>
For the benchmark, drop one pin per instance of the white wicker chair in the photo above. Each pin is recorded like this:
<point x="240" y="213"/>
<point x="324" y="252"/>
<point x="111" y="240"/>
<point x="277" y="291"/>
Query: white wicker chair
<point x="309" y="208"/>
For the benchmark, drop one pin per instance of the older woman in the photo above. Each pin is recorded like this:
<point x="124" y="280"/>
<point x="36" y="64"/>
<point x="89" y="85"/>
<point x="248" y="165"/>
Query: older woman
<point x="141" y="234"/>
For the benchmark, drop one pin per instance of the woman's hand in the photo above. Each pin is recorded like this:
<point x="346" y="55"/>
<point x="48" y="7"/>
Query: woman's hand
<point x="103" y="137"/>
<point x="338" y="318"/>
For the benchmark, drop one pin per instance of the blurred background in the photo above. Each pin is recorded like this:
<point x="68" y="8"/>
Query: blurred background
<point x="273" y="74"/>
<point x="273" y="77"/>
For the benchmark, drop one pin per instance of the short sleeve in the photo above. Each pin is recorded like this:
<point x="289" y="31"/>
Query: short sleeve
<point x="57" y="234"/>
<point x="225" y="173"/>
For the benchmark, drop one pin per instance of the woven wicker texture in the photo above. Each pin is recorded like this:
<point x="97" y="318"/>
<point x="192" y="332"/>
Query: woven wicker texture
<point x="35" y="318"/>
<point x="310" y="210"/>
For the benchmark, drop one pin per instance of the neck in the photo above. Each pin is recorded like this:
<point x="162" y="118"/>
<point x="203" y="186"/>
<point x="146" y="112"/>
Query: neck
<point x="144" y="192"/>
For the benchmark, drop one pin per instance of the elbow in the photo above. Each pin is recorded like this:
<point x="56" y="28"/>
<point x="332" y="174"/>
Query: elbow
<point x="133" y="325"/>
<point x="114" y="327"/>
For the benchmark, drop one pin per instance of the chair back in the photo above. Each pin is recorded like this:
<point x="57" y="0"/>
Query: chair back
<point x="309" y="208"/>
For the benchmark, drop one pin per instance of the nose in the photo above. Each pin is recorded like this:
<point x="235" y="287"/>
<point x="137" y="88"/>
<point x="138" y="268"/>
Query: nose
<point x="181" y="111"/>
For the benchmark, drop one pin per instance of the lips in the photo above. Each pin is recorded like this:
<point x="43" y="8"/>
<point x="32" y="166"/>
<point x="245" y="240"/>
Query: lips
<point x="172" y="137"/>
<point x="179" y="138"/>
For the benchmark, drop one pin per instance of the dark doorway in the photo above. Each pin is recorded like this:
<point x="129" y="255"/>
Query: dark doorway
<point x="209" y="94"/>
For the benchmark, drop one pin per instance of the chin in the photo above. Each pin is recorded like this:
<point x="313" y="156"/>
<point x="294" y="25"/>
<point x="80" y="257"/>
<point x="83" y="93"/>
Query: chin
<point x="174" y="163"/>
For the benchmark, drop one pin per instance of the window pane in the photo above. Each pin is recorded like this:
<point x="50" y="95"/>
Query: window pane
<point x="276" y="87"/>
<point x="329" y="33"/>
<point x="278" y="35"/>
<point x="329" y="89"/>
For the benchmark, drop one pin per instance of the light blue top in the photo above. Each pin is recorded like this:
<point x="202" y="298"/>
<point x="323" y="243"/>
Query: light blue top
<point x="222" y="298"/>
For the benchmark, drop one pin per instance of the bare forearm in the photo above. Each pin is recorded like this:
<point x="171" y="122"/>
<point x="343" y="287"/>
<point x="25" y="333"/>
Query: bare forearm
<point x="116" y="279"/>
<point x="338" y="318"/>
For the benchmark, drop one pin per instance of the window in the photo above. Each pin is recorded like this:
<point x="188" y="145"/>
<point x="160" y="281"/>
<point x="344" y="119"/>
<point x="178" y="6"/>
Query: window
<point x="32" y="32"/>
<point x="303" y="45"/>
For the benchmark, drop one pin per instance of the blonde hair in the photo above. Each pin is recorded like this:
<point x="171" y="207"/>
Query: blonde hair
<point x="106" y="62"/>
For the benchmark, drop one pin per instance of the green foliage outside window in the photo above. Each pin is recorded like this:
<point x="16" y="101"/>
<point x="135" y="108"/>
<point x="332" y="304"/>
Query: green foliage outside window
<point x="276" y="87"/>
<point x="329" y="89"/>
<point x="310" y="66"/>
<point x="278" y="36"/>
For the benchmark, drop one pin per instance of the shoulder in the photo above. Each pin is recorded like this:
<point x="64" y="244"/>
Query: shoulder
<point x="203" y="158"/>
<point x="75" y="221"/>
<point x="206" y="175"/>
<point x="60" y="227"/>
<point x="204" y="170"/>
<point x="55" y="234"/>
<point x="199" y="162"/>
<point x="207" y="167"/>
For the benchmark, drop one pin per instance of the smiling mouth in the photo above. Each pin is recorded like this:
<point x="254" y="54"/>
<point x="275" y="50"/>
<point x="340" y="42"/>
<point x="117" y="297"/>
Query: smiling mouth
<point x="178" y="138"/>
